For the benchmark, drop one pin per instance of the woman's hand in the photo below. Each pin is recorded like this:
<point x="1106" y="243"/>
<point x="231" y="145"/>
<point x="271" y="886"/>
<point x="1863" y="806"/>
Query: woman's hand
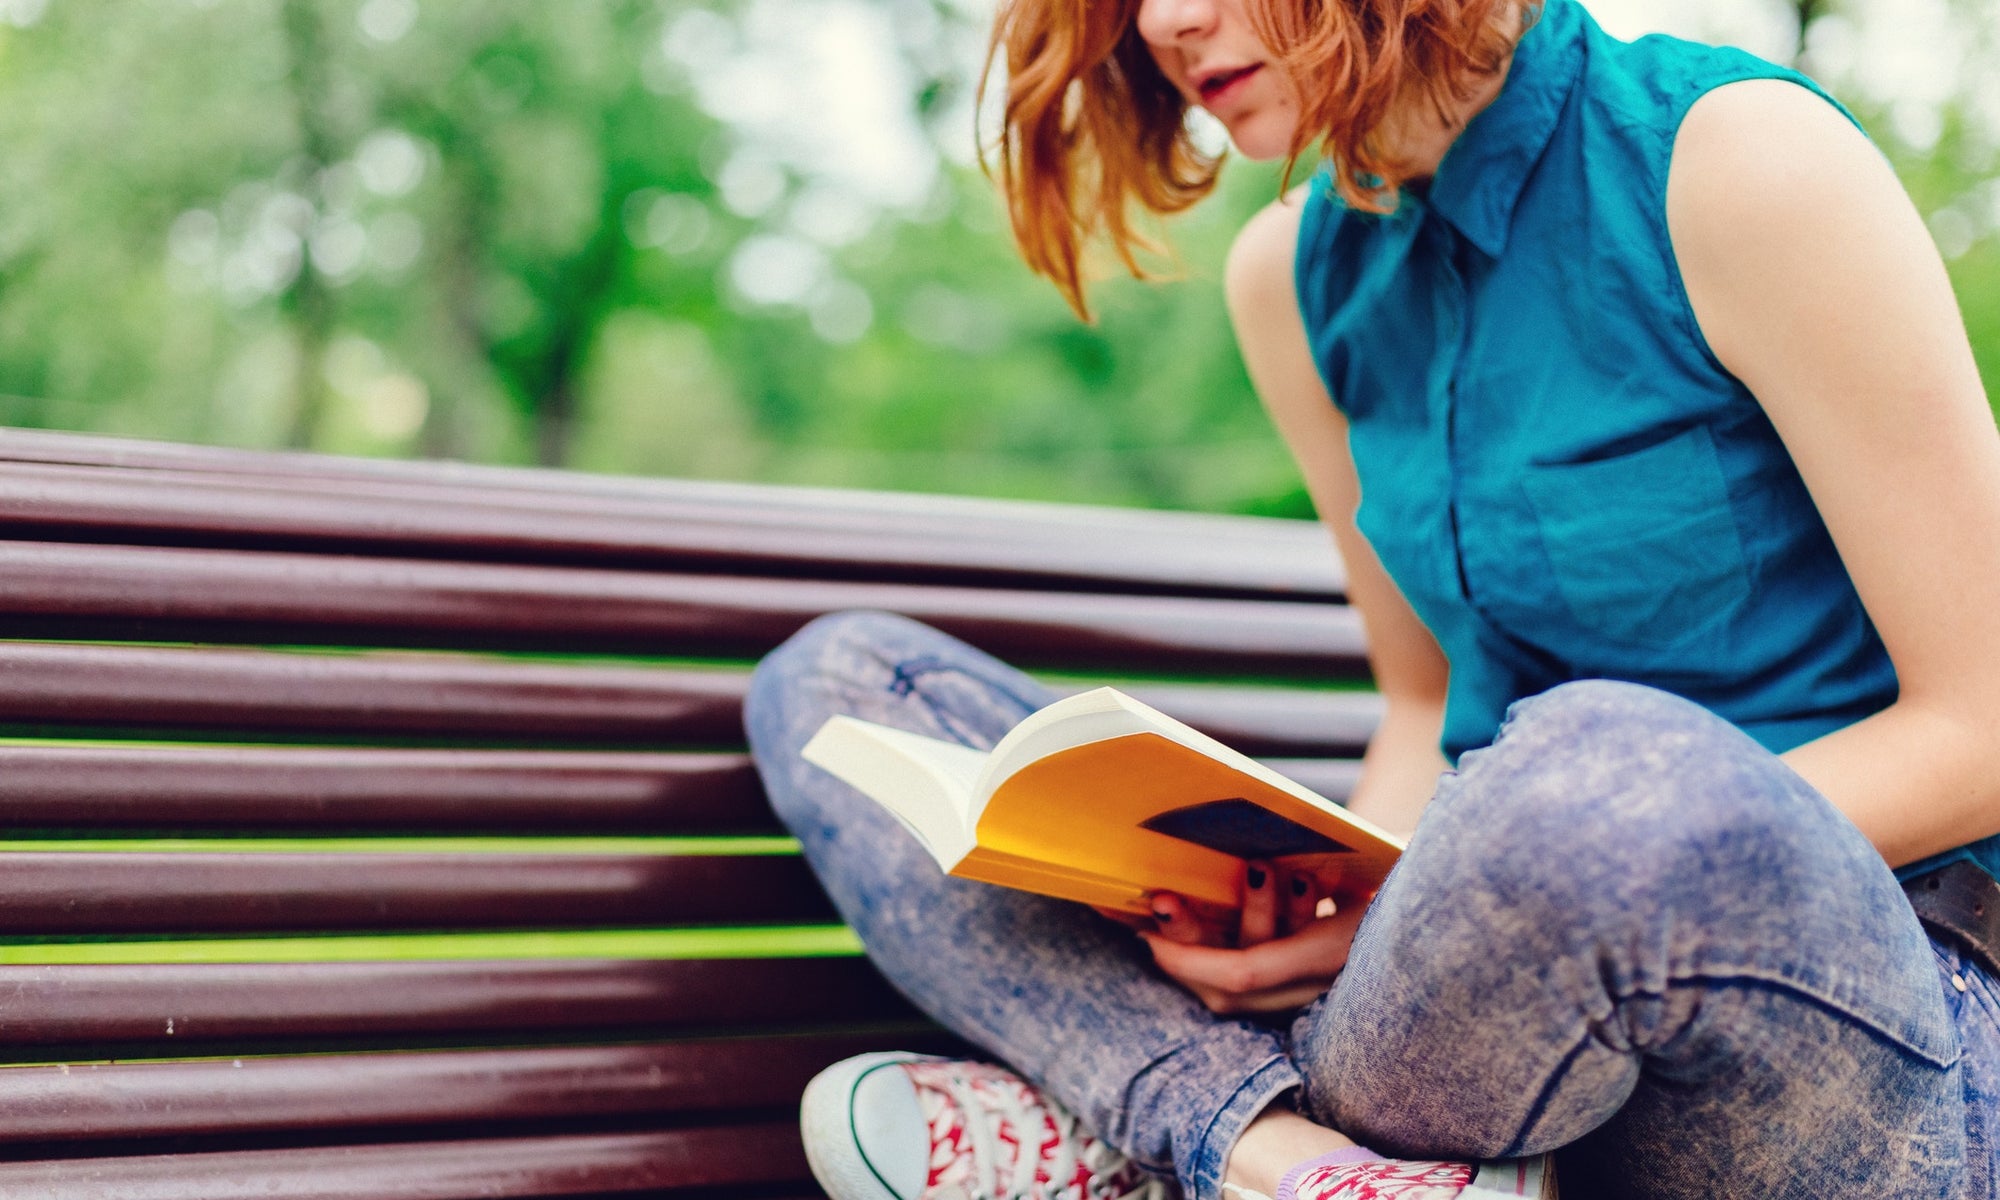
<point x="1277" y="953"/>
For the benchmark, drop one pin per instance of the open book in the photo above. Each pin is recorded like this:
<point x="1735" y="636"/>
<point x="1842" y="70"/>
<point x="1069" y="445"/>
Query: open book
<point x="1101" y="799"/>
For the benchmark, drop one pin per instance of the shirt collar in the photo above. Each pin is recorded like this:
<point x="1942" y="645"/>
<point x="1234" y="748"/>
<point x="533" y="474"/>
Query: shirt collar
<point x="1483" y="174"/>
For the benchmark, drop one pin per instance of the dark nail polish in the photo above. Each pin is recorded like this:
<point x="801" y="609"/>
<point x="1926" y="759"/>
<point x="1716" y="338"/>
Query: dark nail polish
<point x="1298" y="885"/>
<point x="1256" y="877"/>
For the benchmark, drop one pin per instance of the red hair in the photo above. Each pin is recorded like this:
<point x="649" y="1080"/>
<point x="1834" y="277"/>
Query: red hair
<point x="1093" y="131"/>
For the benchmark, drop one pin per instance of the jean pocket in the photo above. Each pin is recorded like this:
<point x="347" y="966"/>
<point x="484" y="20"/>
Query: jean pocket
<point x="1643" y="546"/>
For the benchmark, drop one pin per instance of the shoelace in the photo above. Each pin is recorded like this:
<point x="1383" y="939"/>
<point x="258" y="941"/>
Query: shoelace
<point x="1027" y="1121"/>
<point x="1103" y="1160"/>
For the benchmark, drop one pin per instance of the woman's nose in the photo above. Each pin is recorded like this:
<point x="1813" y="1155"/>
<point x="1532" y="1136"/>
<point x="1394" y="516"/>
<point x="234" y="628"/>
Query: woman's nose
<point x="1165" y="22"/>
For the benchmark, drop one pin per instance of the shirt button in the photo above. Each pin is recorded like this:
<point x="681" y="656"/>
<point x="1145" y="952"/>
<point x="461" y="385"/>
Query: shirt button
<point x="1958" y="981"/>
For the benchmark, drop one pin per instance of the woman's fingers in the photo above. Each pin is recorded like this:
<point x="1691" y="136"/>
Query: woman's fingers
<point x="1282" y="973"/>
<point x="1261" y="906"/>
<point x="1279" y="1000"/>
<point x="1193" y="921"/>
<point x="1128" y="920"/>
<point x="1301" y="900"/>
<point x="1316" y="952"/>
<point x="1175" y="921"/>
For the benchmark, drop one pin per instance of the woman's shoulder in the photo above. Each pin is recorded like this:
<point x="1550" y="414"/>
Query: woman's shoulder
<point x="1738" y="125"/>
<point x="1770" y="184"/>
<point x="1261" y="271"/>
<point x="1646" y="89"/>
<point x="1751" y="155"/>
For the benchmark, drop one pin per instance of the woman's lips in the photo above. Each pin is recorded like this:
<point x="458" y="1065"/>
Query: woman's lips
<point x="1223" y="84"/>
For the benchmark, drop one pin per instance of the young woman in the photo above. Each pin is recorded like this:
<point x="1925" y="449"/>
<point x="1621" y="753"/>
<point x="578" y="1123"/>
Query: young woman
<point x="1604" y="361"/>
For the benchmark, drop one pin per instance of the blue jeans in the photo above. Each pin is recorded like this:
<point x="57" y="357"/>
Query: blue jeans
<point x="1624" y="930"/>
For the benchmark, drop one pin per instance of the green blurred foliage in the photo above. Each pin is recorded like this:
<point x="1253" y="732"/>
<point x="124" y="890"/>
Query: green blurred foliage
<point x="521" y="231"/>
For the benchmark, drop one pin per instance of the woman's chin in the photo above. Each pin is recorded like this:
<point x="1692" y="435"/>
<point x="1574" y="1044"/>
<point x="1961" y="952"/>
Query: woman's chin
<point x="1264" y="137"/>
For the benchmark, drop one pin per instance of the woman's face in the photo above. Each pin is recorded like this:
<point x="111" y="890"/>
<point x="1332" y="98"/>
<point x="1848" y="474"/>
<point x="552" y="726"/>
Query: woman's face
<point x="1208" y="51"/>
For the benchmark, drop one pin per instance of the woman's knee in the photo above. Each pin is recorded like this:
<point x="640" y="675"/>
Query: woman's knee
<point x="1603" y="786"/>
<point x="833" y="643"/>
<point x="1609" y="757"/>
<point x="830" y="653"/>
<point x="888" y="669"/>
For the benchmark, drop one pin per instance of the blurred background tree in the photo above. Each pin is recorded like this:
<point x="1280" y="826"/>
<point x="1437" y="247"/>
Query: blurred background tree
<point x="744" y="240"/>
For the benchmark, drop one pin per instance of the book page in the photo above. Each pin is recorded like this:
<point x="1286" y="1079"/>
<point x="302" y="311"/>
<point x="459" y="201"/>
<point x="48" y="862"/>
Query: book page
<point x="926" y="783"/>
<point x="1090" y="716"/>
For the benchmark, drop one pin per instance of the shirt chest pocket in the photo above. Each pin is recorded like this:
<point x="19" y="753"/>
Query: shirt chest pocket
<point x="1643" y="547"/>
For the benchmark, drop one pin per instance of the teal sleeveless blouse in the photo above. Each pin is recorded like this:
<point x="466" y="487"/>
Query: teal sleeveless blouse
<point x="1554" y="469"/>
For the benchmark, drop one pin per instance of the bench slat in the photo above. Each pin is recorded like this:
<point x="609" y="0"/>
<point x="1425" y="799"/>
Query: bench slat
<point x="191" y="508"/>
<point x="60" y="892"/>
<point x="766" y="1153"/>
<point x="407" y="694"/>
<point x="436" y="695"/>
<point x="264" y="788"/>
<point x="178" y="594"/>
<point x="94" y="1102"/>
<point x="274" y="789"/>
<point x="1262" y="554"/>
<point x="195" y="1004"/>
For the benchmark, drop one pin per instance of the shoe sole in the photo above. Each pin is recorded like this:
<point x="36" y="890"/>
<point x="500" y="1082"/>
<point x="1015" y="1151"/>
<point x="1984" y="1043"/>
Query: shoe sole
<point x="1534" y="1177"/>
<point x="826" y="1123"/>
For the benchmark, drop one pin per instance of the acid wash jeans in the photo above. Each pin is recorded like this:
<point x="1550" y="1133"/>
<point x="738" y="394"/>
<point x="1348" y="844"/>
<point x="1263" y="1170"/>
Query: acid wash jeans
<point x="1625" y="930"/>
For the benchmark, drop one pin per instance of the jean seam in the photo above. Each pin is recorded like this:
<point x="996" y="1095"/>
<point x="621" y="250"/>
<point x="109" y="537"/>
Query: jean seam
<point x="1542" y="1101"/>
<point x="1823" y="1000"/>
<point x="1207" y="1183"/>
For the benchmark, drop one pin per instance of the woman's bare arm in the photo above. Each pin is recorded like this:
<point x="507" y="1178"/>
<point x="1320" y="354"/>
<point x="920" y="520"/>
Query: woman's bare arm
<point x="1274" y="973"/>
<point x="1815" y="282"/>
<point x="1403" y="760"/>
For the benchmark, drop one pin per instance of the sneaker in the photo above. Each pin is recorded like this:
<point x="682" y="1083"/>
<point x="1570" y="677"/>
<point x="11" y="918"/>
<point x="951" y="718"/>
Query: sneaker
<point x="897" y="1126"/>
<point x="1397" y="1179"/>
<point x="1534" y="1177"/>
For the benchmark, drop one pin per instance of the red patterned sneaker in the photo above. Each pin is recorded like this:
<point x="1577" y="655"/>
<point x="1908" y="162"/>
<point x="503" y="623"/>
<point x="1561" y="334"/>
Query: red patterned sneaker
<point x="905" y="1127"/>
<point x="1357" y="1174"/>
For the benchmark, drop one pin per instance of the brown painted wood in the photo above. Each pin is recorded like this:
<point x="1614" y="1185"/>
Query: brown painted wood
<point x="119" y="541"/>
<point x="430" y="520"/>
<point x="454" y="696"/>
<point x="1174" y="551"/>
<point x="178" y="594"/>
<point x="285" y="788"/>
<point x="301" y="788"/>
<point x="232" y="1097"/>
<point x="408" y="694"/>
<point x="767" y="1153"/>
<point x="298" y="788"/>
<point x="140" y="892"/>
<point x="197" y="1003"/>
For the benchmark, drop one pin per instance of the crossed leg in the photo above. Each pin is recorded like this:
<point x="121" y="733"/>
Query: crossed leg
<point x="1625" y="929"/>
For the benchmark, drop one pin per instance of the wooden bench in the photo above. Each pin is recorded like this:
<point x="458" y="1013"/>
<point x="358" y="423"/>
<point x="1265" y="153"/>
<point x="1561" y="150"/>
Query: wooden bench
<point x="383" y="829"/>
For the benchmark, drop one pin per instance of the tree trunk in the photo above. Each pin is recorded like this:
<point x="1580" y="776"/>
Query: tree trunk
<point x="1808" y="11"/>
<point x="307" y="298"/>
<point x="555" y="418"/>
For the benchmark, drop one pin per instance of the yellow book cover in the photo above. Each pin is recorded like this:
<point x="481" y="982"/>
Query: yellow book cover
<point x="1102" y="799"/>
